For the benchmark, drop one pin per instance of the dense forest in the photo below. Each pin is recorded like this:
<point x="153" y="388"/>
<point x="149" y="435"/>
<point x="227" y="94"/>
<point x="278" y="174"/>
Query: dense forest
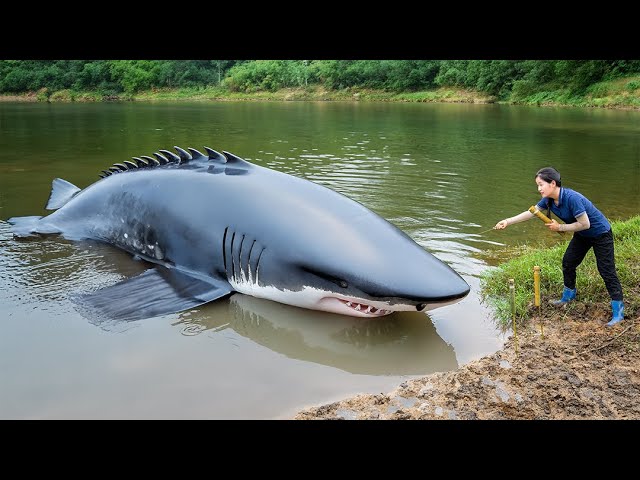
<point x="503" y="79"/>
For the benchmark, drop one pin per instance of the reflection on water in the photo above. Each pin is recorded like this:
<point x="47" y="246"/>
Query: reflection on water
<point x="403" y="343"/>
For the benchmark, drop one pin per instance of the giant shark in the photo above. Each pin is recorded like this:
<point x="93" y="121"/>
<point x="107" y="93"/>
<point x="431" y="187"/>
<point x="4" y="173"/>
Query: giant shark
<point x="214" y="224"/>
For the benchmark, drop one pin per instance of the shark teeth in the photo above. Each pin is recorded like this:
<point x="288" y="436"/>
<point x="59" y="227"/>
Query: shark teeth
<point x="364" y="308"/>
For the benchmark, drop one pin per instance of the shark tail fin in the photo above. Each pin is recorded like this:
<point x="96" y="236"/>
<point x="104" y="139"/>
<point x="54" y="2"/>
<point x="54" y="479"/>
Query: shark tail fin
<point x="24" y="226"/>
<point x="61" y="192"/>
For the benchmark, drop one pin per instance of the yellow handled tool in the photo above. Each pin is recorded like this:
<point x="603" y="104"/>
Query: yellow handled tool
<point x="533" y="209"/>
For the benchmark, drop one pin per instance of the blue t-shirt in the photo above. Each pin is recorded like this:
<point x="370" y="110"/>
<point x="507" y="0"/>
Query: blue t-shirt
<point x="572" y="204"/>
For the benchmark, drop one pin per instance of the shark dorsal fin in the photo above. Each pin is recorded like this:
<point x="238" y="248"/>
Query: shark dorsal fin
<point x="61" y="192"/>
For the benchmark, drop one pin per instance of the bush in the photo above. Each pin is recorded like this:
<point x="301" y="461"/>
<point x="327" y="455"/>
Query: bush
<point x="633" y="85"/>
<point x="522" y="89"/>
<point x="62" y="96"/>
<point x="598" y="90"/>
<point x="43" y="95"/>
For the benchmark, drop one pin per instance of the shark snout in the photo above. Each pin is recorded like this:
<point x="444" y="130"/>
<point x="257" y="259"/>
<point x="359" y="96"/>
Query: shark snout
<point x="422" y="296"/>
<point x="425" y="291"/>
<point x="431" y="302"/>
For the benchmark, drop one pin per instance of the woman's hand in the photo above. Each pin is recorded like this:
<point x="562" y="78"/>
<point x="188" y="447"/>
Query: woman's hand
<point x="501" y="225"/>
<point x="555" y="226"/>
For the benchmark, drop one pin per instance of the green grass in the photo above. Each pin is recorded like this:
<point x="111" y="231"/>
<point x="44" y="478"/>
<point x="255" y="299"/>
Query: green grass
<point x="618" y="93"/>
<point x="311" y="93"/>
<point x="316" y="93"/>
<point x="494" y="283"/>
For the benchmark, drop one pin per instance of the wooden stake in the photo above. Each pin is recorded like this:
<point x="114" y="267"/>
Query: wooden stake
<point x="512" y="290"/>
<point x="536" y="291"/>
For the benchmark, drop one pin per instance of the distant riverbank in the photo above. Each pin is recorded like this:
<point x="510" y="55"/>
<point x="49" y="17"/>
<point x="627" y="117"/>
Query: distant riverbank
<point x="616" y="96"/>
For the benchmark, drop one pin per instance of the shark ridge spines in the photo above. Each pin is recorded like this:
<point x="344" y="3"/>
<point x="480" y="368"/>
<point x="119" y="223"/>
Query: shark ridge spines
<point x="166" y="157"/>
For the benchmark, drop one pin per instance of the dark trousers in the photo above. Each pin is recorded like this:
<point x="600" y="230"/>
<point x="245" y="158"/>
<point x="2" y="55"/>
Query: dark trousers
<point x="603" y="250"/>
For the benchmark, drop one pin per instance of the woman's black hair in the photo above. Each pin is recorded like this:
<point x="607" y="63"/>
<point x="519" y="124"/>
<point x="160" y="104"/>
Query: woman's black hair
<point x="549" y="173"/>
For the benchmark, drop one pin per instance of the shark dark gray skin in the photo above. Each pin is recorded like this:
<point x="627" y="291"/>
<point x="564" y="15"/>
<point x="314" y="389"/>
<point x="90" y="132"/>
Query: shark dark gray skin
<point x="214" y="224"/>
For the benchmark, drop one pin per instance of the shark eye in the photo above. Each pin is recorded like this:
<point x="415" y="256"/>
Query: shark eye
<point x="343" y="284"/>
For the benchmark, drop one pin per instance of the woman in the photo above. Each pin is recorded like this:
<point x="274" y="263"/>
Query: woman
<point x="590" y="229"/>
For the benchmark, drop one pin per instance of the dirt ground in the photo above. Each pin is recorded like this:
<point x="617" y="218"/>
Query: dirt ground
<point x="579" y="369"/>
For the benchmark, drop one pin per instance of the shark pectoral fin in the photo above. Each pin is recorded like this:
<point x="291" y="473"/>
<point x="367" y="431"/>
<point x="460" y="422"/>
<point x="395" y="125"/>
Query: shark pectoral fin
<point x="61" y="192"/>
<point x="156" y="291"/>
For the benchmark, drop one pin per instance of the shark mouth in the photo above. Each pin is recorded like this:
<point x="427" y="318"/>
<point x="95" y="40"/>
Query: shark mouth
<point x="317" y="299"/>
<point x="353" y="307"/>
<point x="363" y="308"/>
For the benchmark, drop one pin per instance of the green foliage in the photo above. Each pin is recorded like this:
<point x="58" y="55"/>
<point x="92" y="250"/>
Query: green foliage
<point x="495" y="77"/>
<point x="452" y="73"/>
<point x="111" y="77"/>
<point x="620" y="68"/>
<point x="270" y="75"/>
<point x="537" y="72"/>
<point x="62" y="96"/>
<point x="523" y="81"/>
<point x="135" y="75"/>
<point x="598" y="89"/>
<point x="392" y="75"/>
<point x="43" y="95"/>
<point x="522" y="89"/>
<point x="579" y="74"/>
<point x="591" y="288"/>
<point x="633" y="85"/>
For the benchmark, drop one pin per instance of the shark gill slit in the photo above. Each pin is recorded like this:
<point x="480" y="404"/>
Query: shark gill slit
<point x="249" y="261"/>
<point x="233" y="263"/>
<point x="224" y="251"/>
<point x="240" y="256"/>
<point x="258" y="264"/>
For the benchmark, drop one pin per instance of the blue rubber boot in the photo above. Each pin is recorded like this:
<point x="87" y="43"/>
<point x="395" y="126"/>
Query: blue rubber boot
<point x="618" y="312"/>
<point x="567" y="296"/>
